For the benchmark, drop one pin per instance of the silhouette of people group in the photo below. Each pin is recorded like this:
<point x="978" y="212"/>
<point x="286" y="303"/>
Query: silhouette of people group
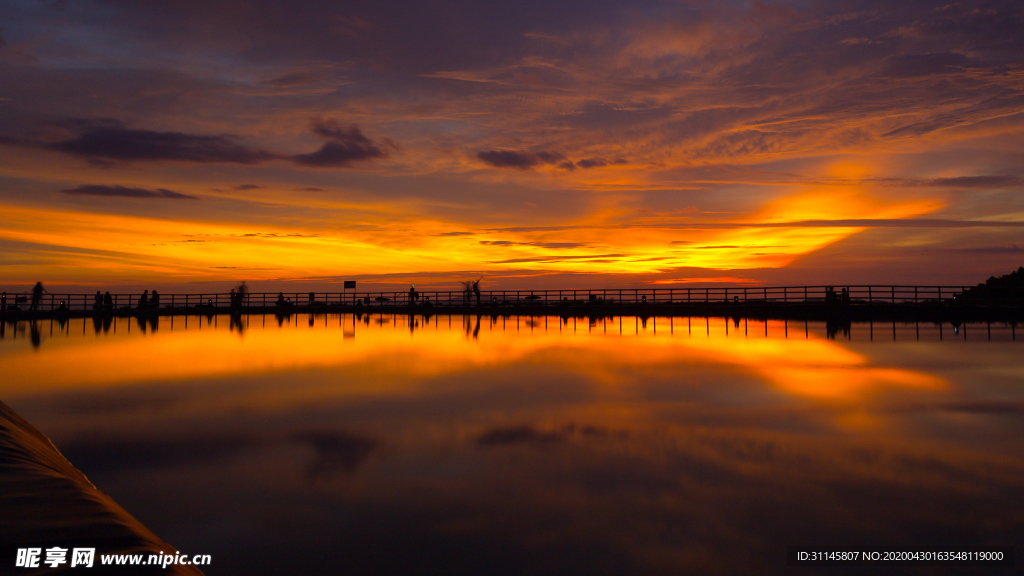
<point x="102" y="301"/>
<point x="832" y="297"/>
<point x="105" y="302"/>
<point x="149" y="302"/>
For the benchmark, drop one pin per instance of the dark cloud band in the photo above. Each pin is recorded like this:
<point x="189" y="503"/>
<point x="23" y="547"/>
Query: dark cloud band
<point x="113" y="142"/>
<point x="125" y="192"/>
<point x="105" y="141"/>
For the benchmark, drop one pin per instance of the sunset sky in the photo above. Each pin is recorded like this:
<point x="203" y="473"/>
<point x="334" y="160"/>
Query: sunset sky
<point x="198" y="143"/>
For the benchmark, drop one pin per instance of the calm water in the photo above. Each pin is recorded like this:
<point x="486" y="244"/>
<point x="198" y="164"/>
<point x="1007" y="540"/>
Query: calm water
<point x="464" y="445"/>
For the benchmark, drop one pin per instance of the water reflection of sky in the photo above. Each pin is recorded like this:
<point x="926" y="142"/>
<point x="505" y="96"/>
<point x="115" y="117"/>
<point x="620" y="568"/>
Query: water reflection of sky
<point x="384" y="444"/>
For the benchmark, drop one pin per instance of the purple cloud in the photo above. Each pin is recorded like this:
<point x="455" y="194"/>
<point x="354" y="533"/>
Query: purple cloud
<point x="519" y="160"/>
<point x="592" y="163"/>
<point x="104" y="141"/>
<point x="125" y="192"/>
<point x="111" y="141"/>
<point x="346" y="144"/>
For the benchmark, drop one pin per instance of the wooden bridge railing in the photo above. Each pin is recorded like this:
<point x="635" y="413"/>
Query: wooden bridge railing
<point x="778" y="294"/>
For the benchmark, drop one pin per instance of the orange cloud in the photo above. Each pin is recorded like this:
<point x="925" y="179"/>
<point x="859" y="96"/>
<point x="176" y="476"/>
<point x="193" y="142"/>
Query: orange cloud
<point x="356" y="239"/>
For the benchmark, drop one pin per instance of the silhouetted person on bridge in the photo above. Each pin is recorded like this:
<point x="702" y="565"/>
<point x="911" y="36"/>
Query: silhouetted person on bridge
<point x="243" y="293"/>
<point x="476" y="290"/>
<point x="830" y="294"/>
<point x="413" y="295"/>
<point x="108" y="301"/>
<point x="143" y="300"/>
<point x="37" y="295"/>
<point x="97" y="302"/>
<point x="155" y="300"/>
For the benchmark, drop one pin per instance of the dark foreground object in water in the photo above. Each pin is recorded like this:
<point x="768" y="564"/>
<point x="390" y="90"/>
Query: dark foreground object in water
<point x="46" y="502"/>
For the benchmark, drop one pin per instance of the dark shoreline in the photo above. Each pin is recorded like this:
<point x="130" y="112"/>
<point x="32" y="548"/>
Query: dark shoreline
<point x="952" y="312"/>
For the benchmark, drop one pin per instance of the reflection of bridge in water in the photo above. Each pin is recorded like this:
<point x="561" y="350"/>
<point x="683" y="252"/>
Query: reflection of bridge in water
<point x="475" y="324"/>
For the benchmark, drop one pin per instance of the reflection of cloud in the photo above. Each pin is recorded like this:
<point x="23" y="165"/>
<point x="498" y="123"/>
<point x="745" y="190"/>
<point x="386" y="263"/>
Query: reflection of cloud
<point x="533" y="436"/>
<point x="103" y="454"/>
<point x="518" y="435"/>
<point x="669" y="497"/>
<point x="993" y="407"/>
<point x="814" y="368"/>
<point x="336" y="451"/>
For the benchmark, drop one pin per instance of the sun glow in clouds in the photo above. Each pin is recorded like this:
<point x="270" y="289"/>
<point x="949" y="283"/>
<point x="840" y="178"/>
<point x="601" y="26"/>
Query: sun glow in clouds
<point x="94" y="247"/>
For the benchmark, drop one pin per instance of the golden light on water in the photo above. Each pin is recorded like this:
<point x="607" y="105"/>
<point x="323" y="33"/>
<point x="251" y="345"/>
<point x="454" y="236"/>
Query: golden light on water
<point x="385" y="354"/>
